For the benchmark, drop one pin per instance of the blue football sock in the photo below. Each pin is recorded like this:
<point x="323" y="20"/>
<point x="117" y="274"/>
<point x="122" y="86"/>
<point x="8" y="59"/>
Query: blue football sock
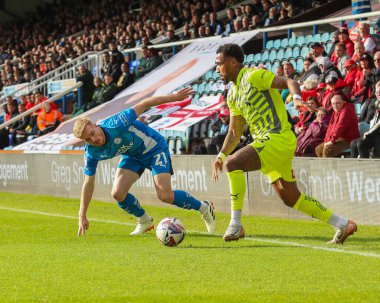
<point x="185" y="200"/>
<point x="132" y="206"/>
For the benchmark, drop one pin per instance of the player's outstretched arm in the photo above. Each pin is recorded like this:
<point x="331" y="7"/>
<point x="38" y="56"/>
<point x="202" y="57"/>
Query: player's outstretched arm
<point x="86" y="196"/>
<point x="147" y="103"/>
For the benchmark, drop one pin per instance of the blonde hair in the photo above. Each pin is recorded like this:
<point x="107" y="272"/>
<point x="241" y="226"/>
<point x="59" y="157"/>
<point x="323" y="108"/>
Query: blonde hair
<point x="79" y="126"/>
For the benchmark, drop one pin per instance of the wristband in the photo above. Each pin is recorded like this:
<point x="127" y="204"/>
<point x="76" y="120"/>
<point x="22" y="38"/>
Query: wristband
<point x="295" y="96"/>
<point x="221" y="156"/>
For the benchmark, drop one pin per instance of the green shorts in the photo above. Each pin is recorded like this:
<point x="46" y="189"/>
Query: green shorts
<point x="276" y="154"/>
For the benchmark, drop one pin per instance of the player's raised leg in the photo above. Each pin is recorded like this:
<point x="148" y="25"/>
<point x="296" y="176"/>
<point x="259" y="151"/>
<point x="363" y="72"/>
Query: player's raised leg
<point x="292" y="197"/>
<point x="184" y="200"/>
<point x="124" y="180"/>
<point x="246" y="159"/>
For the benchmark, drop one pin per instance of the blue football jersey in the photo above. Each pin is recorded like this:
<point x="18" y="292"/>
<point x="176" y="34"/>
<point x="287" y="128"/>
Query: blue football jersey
<point x="125" y="136"/>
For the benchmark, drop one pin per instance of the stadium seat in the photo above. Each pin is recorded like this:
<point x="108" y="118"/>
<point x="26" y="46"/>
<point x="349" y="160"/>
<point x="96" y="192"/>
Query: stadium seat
<point x="296" y="51"/>
<point x="250" y="58"/>
<point x="304" y="51"/>
<point x="288" y="52"/>
<point x="268" y="64"/>
<point x="308" y="39"/>
<point x="171" y="144"/>
<point x="257" y="57"/>
<point x="293" y="61"/>
<point x="325" y="37"/>
<point x="272" y="54"/>
<point x="292" y="41"/>
<point x="275" y="64"/>
<point x="363" y="127"/>
<point x="299" y="65"/>
<point x="328" y="46"/>
<point x="179" y="145"/>
<point x="277" y="43"/>
<point x="317" y="38"/>
<point x="358" y="108"/>
<point x="280" y="54"/>
<point x="264" y="55"/>
<point x="300" y="40"/>
<point x="285" y="42"/>
<point x="208" y="75"/>
<point x="269" y="44"/>
<point x="201" y="88"/>
<point x="215" y="75"/>
<point x="208" y="87"/>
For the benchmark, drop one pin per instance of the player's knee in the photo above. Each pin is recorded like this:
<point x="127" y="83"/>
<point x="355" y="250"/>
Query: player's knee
<point x="288" y="202"/>
<point x="165" y="197"/>
<point x="118" y="195"/>
<point x="230" y="165"/>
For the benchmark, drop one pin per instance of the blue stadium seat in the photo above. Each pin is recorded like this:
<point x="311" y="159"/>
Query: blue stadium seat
<point x="277" y="43"/>
<point x="268" y="64"/>
<point x="299" y="65"/>
<point x="133" y="64"/>
<point x="363" y="127"/>
<point x="264" y="55"/>
<point x="325" y="37"/>
<point x="215" y="75"/>
<point x="300" y="40"/>
<point x="208" y="75"/>
<point x="275" y="64"/>
<point x="250" y="58"/>
<point x="293" y="61"/>
<point x="201" y="88"/>
<point x="304" y="51"/>
<point x="285" y="42"/>
<point x="269" y="44"/>
<point x="272" y="54"/>
<point x="358" y="108"/>
<point x="317" y="38"/>
<point x="208" y="87"/>
<point x="280" y="54"/>
<point x="308" y="39"/>
<point x="288" y="52"/>
<point x="296" y="51"/>
<point x="328" y="46"/>
<point x="292" y="41"/>
<point x="257" y="57"/>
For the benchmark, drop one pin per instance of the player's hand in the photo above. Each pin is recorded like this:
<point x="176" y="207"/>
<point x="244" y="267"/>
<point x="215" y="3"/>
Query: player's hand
<point x="83" y="225"/>
<point x="217" y="166"/>
<point x="183" y="94"/>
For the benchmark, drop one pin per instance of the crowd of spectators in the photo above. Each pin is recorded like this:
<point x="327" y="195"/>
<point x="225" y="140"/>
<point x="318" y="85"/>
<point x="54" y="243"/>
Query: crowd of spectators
<point x="340" y="93"/>
<point x="55" y="33"/>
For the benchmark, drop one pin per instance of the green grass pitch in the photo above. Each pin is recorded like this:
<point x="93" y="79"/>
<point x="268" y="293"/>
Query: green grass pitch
<point x="42" y="259"/>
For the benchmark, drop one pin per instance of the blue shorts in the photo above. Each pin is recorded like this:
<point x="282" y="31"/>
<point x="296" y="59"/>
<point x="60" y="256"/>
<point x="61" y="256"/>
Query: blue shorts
<point x="159" y="163"/>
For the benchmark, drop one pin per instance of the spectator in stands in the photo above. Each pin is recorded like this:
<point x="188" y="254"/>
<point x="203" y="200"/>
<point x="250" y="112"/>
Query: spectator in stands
<point x="85" y="76"/>
<point x="368" y="41"/>
<point x="143" y="65"/>
<point x="359" y="50"/>
<point x="109" y="90"/>
<point x="116" y="54"/>
<point x="220" y="130"/>
<point x="335" y="41"/>
<point x="372" y="78"/>
<point x="215" y="24"/>
<point x="314" y="135"/>
<point x="371" y="138"/>
<point x="351" y="70"/>
<point x="345" y="38"/>
<point x="48" y="119"/>
<point x="229" y="22"/>
<point x="342" y="129"/>
<point x="289" y="71"/>
<point x="279" y="71"/>
<point x="126" y="78"/>
<point x="288" y="5"/>
<point x="245" y="24"/>
<point x="307" y="71"/>
<point x="8" y="133"/>
<point x="307" y="116"/>
<point x="328" y="69"/>
<point x="272" y="17"/>
<point x="316" y="53"/>
<point x="154" y="60"/>
<point x="360" y="91"/>
<point x="342" y="57"/>
<point x="256" y="22"/>
<point x="284" y="14"/>
<point x="20" y="133"/>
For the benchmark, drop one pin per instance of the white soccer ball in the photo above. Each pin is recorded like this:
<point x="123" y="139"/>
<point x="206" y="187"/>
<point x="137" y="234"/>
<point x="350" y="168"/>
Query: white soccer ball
<point x="170" y="231"/>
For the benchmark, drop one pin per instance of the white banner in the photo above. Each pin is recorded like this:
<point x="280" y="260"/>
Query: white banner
<point x="185" y="67"/>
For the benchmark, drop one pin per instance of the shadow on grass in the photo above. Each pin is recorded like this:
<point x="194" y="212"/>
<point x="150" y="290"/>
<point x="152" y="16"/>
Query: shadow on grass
<point x="231" y="246"/>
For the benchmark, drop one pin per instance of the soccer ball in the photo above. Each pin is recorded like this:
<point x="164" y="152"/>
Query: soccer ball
<point x="170" y="232"/>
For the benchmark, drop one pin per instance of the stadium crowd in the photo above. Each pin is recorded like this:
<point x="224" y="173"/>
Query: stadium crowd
<point x="324" y="126"/>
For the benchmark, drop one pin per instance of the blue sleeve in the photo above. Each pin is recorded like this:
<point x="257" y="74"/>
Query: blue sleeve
<point x="90" y="165"/>
<point x="127" y="116"/>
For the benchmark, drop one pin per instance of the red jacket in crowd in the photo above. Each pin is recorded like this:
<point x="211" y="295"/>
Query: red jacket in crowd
<point x="343" y="124"/>
<point x="350" y="77"/>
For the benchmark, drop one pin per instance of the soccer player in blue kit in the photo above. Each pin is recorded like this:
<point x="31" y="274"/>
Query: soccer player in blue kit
<point x="140" y="147"/>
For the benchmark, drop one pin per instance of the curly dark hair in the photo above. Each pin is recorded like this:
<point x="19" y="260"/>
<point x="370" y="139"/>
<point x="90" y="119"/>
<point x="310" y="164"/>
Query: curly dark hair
<point x="231" y="50"/>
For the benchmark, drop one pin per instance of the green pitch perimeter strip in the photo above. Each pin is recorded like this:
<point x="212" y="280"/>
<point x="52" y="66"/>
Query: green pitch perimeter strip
<point x="254" y="239"/>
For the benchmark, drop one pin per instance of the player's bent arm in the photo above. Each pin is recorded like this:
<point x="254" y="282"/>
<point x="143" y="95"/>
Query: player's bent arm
<point x="147" y="103"/>
<point x="293" y="86"/>
<point x="234" y="134"/>
<point x="86" y="196"/>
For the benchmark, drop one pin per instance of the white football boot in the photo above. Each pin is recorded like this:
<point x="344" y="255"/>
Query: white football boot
<point x="143" y="227"/>
<point x="343" y="233"/>
<point x="209" y="217"/>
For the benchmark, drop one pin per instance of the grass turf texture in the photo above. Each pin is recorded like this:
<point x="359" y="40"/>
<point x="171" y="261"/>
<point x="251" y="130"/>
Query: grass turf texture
<point x="42" y="259"/>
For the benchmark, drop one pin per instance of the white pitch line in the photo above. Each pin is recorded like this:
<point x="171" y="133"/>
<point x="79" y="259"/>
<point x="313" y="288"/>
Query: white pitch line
<point x="254" y="239"/>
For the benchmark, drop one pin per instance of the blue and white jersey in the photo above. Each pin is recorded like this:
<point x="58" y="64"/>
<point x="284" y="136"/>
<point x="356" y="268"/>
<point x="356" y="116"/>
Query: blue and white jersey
<point x="124" y="136"/>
